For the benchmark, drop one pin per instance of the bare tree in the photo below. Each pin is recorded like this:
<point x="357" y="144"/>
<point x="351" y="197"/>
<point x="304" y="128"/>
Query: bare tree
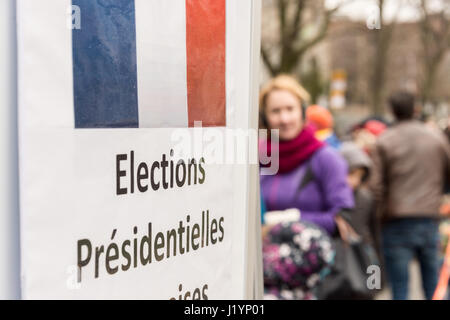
<point x="382" y="40"/>
<point x="435" y="36"/>
<point x="291" y="43"/>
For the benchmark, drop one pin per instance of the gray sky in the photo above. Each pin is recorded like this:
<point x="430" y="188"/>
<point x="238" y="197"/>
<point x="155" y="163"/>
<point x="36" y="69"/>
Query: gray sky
<point x="363" y="9"/>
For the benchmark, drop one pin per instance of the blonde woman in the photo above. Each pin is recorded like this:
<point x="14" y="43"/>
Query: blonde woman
<point x="312" y="176"/>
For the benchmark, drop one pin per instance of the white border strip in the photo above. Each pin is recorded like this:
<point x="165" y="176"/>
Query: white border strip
<point x="161" y="63"/>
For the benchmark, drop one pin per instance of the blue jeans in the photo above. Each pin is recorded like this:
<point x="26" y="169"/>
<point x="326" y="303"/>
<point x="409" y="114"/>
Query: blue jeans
<point x="404" y="239"/>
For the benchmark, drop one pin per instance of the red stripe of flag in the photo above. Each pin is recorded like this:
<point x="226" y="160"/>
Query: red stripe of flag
<point x="205" y="45"/>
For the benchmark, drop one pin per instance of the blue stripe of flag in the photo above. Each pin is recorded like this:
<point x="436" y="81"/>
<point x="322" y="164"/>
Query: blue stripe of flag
<point x="104" y="65"/>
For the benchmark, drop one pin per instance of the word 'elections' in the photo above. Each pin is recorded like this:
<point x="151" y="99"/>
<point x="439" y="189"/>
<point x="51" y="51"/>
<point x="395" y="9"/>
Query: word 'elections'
<point x="164" y="174"/>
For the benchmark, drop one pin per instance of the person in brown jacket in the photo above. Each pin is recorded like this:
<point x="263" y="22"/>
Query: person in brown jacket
<point x="411" y="168"/>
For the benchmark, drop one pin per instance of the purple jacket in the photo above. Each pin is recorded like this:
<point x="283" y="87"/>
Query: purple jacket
<point x="321" y="199"/>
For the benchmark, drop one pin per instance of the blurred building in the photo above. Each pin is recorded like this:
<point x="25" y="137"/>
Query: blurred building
<point x="350" y="46"/>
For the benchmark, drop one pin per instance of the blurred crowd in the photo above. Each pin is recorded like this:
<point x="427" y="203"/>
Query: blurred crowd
<point x="344" y="216"/>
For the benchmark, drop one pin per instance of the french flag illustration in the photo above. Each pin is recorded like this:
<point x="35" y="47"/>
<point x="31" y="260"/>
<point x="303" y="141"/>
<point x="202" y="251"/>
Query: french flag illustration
<point x="149" y="63"/>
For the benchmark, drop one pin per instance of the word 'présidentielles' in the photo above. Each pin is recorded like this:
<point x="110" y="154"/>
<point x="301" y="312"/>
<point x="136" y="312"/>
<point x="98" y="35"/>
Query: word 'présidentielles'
<point x="143" y="250"/>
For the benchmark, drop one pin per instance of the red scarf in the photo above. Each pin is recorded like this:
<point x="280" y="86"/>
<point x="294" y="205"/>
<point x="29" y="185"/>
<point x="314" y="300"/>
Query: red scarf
<point x="296" y="151"/>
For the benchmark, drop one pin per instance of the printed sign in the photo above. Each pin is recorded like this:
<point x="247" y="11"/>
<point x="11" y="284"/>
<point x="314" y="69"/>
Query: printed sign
<point x="116" y="199"/>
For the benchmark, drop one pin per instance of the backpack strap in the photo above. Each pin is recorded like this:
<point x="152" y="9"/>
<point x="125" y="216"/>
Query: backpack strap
<point x="307" y="177"/>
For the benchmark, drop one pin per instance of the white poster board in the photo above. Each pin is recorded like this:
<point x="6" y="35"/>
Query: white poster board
<point x="9" y="192"/>
<point x="117" y="200"/>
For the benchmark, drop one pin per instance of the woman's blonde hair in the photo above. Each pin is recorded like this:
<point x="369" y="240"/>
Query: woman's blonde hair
<point x="281" y="82"/>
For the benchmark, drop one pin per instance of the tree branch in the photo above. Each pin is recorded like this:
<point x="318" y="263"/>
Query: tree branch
<point x="267" y="62"/>
<point x="282" y="17"/>
<point x="295" y="29"/>
<point x="300" y="50"/>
